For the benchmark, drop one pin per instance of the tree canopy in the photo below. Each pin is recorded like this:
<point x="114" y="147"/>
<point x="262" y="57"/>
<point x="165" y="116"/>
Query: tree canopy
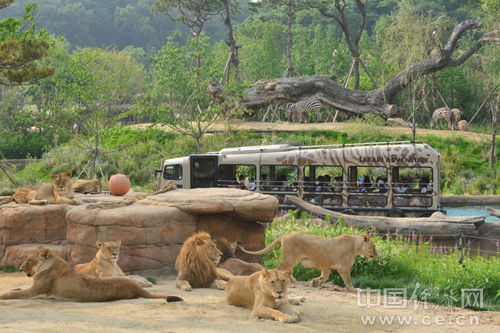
<point x="22" y="47"/>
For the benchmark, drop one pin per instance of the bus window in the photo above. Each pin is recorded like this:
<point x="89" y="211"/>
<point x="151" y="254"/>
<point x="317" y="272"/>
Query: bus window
<point x="173" y="172"/>
<point x="231" y="174"/>
<point x="367" y="179"/>
<point x="321" y="178"/>
<point x="278" y="178"/>
<point x="412" y="180"/>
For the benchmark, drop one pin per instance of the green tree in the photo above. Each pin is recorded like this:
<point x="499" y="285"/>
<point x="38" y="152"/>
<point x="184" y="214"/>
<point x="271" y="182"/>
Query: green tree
<point x="289" y="8"/>
<point x="22" y="47"/>
<point x="90" y="88"/>
<point x="176" y="94"/>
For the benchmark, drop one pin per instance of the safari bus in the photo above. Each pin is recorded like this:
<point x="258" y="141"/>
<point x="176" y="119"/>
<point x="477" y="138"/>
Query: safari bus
<point x="381" y="178"/>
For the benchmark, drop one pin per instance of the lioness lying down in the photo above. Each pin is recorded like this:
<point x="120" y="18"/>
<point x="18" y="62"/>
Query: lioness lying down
<point x="105" y="263"/>
<point x="265" y="293"/>
<point x="54" y="277"/>
<point x="91" y="186"/>
<point x="321" y="253"/>
<point x="228" y="260"/>
<point x="59" y="191"/>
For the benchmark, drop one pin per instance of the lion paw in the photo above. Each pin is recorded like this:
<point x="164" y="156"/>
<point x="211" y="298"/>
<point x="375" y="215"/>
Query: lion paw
<point x="317" y="282"/>
<point x="290" y="318"/>
<point x="296" y="300"/>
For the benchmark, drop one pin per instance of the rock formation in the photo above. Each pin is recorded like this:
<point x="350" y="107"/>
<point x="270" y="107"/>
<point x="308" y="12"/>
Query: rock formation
<point x="152" y="230"/>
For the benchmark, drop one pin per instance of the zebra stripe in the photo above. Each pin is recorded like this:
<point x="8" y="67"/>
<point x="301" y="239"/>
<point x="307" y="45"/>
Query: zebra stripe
<point x="299" y="110"/>
<point x="463" y="125"/>
<point x="441" y="114"/>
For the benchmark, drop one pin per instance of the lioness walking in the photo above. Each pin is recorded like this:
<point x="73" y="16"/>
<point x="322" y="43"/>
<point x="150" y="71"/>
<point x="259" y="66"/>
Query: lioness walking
<point x="321" y="253"/>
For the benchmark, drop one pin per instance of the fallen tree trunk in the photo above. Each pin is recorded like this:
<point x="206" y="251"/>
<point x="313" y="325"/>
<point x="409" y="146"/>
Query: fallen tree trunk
<point x="493" y="211"/>
<point x="437" y="225"/>
<point x="470" y="200"/>
<point x="381" y="100"/>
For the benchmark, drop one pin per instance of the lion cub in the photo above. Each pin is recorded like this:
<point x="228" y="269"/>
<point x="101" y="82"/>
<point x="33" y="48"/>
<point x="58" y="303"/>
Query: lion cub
<point x="105" y="263"/>
<point x="265" y="293"/>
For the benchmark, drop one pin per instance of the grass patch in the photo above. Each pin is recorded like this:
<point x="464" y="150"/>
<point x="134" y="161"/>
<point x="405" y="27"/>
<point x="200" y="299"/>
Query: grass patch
<point x="427" y="272"/>
<point x="9" y="269"/>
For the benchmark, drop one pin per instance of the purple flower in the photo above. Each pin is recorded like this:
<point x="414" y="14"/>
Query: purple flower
<point x="441" y="249"/>
<point x="413" y="236"/>
<point x="468" y="243"/>
<point x="430" y="238"/>
<point x="498" y="244"/>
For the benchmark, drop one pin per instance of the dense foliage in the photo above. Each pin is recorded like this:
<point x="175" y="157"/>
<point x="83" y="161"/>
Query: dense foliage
<point x="94" y="88"/>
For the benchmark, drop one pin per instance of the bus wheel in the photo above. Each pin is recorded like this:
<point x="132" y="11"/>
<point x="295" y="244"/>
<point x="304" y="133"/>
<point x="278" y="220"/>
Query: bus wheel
<point x="396" y="212"/>
<point x="349" y="212"/>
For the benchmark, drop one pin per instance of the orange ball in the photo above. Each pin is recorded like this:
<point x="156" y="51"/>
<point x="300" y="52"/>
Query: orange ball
<point x="118" y="184"/>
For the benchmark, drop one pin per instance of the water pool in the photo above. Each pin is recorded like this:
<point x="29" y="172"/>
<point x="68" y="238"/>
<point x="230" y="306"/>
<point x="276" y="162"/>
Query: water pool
<point x="473" y="211"/>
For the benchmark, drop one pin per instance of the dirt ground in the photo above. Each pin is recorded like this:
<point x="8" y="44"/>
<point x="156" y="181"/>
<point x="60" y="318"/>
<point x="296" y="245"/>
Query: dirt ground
<point x="204" y="310"/>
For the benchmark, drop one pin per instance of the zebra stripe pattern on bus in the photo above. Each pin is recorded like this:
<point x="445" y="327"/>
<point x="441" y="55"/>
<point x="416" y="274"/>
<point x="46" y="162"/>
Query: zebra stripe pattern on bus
<point x="299" y="111"/>
<point x="463" y="125"/>
<point x="441" y="114"/>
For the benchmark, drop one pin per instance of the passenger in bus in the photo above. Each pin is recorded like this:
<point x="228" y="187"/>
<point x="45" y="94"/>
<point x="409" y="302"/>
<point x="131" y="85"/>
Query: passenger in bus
<point x="425" y="187"/>
<point x="251" y="185"/>
<point x="337" y="184"/>
<point x="401" y="186"/>
<point x="364" y="184"/>
<point x="264" y="183"/>
<point x="280" y="184"/>
<point x="318" y="188"/>
<point x="381" y="185"/>
<point x="241" y="182"/>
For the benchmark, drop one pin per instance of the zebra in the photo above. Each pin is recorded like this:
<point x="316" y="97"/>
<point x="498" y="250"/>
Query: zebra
<point x="299" y="111"/>
<point x="463" y="125"/>
<point x="456" y="114"/>
<point x="441" y="114"/>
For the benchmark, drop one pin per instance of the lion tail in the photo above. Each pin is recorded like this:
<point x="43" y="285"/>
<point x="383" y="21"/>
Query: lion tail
<point x="168" y="298"/>
<point x="7" y="200"/>
<point x="264" y="250"/>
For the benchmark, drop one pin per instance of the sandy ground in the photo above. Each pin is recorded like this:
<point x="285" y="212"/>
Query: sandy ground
<point x="204" y="310"/>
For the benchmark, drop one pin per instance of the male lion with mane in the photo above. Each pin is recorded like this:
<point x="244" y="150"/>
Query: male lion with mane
<point x="54" y="277"/>
<point x="196" y="264"/>
<point x="105" y="263"/>
<point x="322" y="253"/>
<point x="59" y="191"/>
<point x="265" y="293"/>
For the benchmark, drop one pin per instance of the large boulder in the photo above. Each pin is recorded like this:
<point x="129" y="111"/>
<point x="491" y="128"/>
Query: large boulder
<point x="152" y="230"/>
